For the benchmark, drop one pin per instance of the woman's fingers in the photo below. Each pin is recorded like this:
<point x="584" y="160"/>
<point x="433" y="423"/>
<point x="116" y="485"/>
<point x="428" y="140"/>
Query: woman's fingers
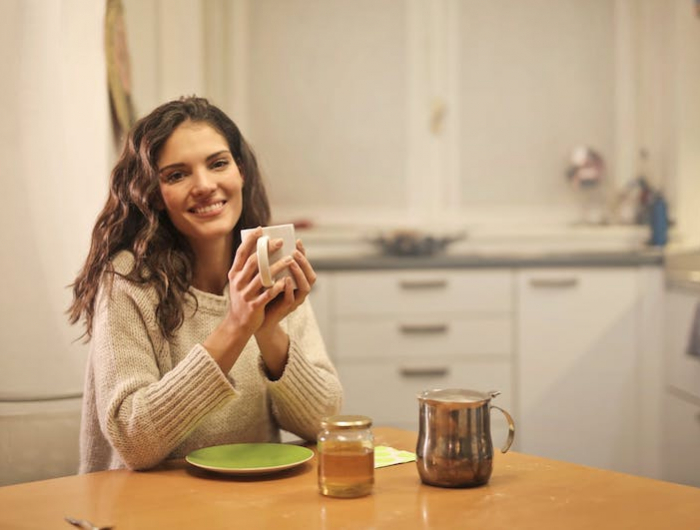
<point x="244" y="251"/>
<point x="304" y="273"/>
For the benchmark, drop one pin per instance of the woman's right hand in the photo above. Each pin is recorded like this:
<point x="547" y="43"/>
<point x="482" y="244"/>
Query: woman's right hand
<point x="248" y="296"/>
<point x="248" y="299"/>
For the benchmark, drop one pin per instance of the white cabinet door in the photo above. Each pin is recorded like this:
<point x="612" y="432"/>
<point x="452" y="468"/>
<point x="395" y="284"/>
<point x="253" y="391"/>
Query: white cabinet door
<point x="577" y="376"/>
<point x="682" y="369"/>
<point x="387" y="390"/>
<point x="681" y="440"/>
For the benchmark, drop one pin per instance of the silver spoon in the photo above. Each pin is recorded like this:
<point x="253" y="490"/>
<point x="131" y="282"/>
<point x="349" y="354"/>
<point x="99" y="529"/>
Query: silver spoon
<point x="85" y="525"/>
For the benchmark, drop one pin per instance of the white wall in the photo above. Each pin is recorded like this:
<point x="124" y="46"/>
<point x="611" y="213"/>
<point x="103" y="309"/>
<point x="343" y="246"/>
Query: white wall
<point x="340" y="110"/>
<point x="686" y="154"/>
<point x="55" y="157"/>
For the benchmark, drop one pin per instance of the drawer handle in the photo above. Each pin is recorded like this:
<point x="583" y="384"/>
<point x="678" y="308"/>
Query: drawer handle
<point x="557" y="283"/>
<point x="423" y="284"/>
<point x="423" y="329"/>
<point x="435" y="371"/>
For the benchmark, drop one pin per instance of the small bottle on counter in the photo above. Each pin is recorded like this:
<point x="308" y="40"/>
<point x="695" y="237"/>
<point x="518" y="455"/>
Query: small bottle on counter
<point x="346" y="456"/>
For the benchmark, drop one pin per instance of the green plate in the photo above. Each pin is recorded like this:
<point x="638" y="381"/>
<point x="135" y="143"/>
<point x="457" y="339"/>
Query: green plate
<point x="249" y="459"/>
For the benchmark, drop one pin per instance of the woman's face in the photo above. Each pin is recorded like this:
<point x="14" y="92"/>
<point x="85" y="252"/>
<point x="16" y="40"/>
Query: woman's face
<point x="200" y="183"/>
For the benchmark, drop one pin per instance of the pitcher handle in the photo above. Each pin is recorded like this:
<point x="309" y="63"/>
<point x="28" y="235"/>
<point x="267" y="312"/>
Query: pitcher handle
<point x="511" y="429"/>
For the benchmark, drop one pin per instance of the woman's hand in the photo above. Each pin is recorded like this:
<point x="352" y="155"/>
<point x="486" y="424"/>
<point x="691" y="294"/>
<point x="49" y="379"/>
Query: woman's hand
<point x="246" y="311"/>
<point x="283" y="305"/>
<point x="272" y="340"/>
<point x="248" y="296"/>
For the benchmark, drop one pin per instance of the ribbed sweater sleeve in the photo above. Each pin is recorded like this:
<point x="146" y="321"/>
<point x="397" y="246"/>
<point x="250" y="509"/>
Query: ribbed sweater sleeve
<point x="309" y="388"/>
<point x="143" y="413"/>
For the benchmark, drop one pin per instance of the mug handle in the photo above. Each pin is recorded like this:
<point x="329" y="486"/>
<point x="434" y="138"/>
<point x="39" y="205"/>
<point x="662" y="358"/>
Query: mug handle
<point x="511" y="429"/>
<point x="264" y="261"/>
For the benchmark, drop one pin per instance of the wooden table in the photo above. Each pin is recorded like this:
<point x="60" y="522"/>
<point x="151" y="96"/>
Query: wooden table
<point x="524" y="492"/>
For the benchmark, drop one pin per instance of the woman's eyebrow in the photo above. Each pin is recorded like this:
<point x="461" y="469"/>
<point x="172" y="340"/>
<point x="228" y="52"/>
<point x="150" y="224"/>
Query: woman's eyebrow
<point x="218" y="153"/>
<point x="181" y="164"/>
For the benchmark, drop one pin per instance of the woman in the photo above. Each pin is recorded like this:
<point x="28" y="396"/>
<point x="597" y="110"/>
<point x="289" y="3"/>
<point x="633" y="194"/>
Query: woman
<point x="187" y="348"/>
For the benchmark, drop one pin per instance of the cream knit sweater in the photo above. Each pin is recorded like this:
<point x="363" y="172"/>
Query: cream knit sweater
<point x="148" y="399"/>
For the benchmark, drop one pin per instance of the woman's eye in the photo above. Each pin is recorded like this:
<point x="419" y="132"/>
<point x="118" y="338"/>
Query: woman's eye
<point x="174" y="176"/>
<point x="221" y="163"/>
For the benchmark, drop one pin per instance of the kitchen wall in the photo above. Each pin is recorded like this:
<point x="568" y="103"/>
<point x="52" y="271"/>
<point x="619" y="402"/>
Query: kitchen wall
<point x="55" y="155"/>
<point x="443" y="111"/>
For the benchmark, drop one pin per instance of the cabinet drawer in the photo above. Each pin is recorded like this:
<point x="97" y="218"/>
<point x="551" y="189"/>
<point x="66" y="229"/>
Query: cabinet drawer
<point x="402" y="292"/>
<point x="425" y="337"/>
<point x="387" y="391"/>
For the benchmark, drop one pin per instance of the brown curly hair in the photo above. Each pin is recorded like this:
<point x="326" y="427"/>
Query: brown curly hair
<point x="131" y="221"/>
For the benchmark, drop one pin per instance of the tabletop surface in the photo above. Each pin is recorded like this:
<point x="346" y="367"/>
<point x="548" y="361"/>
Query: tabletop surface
<point x="524" y="492"/>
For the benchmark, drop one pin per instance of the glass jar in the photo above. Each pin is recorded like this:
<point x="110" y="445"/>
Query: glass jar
<point x="345" y="456"/>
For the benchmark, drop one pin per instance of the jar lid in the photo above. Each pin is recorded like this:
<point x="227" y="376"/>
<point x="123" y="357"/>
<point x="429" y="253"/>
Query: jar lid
<point x="346" y="421"/>
<point x="457" y="396"/>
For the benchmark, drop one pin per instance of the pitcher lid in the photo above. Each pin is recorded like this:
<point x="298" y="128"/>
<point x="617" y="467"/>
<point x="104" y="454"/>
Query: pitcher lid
<point x="457" y="395"/>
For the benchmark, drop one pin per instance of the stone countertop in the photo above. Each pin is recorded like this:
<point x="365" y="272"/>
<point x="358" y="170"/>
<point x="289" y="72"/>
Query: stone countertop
<point x="628" y="258"/>
<point x="353" y="248"/>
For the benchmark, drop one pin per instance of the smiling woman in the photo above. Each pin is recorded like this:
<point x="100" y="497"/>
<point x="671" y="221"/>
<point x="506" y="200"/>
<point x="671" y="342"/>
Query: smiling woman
<point x="201" y="187"/>
<point x="188" y="349"/>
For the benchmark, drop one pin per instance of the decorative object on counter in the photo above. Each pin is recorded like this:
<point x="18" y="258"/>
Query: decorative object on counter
<point x="345" y="449"/>
<point x="658" y="220"/>
<point x="454" y="446"/>
<point x="587" y="167"/>
<point x="414" y="242"/>
<point x="585" y="173"/>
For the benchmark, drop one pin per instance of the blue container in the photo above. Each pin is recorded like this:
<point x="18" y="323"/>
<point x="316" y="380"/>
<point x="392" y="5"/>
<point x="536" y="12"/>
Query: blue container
<point x="658" y="220"/>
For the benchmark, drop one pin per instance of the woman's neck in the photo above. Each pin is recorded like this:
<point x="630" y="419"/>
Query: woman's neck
<point x="212" y="263"/>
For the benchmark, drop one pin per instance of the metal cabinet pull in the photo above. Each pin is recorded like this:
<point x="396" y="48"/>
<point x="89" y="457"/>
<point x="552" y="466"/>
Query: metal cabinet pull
<point x="423" y="284"/>
<point x="428" y="371"/>
<point x="557" y="283"/>
<point x="423" y="329"/>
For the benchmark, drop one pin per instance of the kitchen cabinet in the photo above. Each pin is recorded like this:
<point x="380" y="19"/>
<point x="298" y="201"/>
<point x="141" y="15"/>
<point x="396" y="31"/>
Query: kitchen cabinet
<point x="582" y="365"/>
<point x="681" y="403"/>
<point x="393" y="334"/>
<point x="681" y="439"/>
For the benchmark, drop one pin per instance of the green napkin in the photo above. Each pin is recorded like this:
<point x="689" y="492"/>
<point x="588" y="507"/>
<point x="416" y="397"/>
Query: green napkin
<point x="388" y="456"/>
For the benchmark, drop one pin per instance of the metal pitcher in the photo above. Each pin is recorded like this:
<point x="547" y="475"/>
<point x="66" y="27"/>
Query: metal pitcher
<point x="454" y="438"/>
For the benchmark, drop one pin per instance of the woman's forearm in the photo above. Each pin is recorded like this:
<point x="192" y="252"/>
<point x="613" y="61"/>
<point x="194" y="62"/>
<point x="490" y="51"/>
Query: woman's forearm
<point x="274" y="348"/>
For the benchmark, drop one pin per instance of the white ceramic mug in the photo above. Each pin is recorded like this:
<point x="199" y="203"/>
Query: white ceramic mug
<point x="266" y="259"/>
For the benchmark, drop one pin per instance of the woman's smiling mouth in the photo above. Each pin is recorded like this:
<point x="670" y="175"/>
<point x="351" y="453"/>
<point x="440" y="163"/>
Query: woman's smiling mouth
<point x="209" y="208"/>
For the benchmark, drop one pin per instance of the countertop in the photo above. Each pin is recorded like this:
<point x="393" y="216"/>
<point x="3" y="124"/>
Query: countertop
<point x="353" y="249"/>
<point x="456" y="260"/>
<point x="525" y="492"/>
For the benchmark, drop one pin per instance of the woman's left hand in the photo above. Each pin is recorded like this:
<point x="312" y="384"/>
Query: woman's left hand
<point x="290" y="298"/>
<point x="272" y="340"/>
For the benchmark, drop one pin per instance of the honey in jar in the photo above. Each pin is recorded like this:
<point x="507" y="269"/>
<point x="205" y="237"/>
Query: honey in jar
<point x="346" y="456"/>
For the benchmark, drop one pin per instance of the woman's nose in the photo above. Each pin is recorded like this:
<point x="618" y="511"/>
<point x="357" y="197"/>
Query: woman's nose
<point x="202" y="182"/>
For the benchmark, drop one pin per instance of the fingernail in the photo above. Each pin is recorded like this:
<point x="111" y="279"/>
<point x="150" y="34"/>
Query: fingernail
<point x="277" y="243"/>
<point x="289" y="260"/>
<point x="297" y="254"/>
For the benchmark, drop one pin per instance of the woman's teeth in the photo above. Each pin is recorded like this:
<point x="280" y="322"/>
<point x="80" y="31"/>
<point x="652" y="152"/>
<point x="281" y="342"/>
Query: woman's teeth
<point x="210" y="208"/>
